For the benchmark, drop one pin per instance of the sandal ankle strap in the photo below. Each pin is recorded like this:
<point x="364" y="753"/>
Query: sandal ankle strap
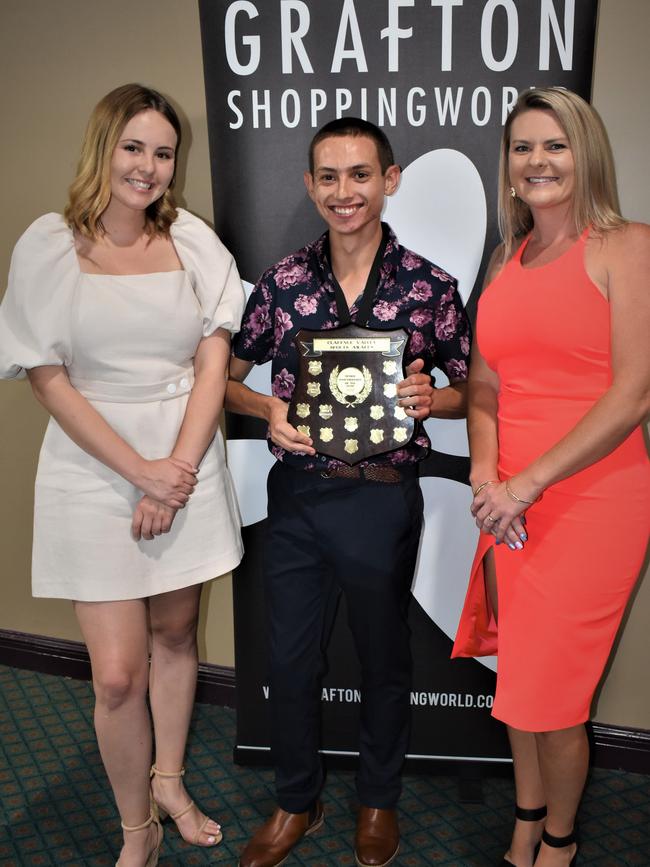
<point x="138" y="827"/>
<point x="530" y="815"/>
<point x="558" y="842"/>
<point x="170" y="774"/>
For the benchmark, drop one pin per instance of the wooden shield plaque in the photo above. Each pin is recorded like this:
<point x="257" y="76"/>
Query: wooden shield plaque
<point x="345" y="398"/>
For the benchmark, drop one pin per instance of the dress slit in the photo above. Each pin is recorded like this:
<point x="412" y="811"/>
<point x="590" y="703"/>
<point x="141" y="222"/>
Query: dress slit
<point x="477" y="630"/>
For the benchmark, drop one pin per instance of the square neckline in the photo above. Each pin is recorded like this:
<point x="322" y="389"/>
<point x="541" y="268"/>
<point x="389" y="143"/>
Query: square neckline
<point x="106" y="274"/>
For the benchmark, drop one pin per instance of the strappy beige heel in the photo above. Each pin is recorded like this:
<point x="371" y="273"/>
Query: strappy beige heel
<point x="152" y="860"/>
<point x="163" y="813"/>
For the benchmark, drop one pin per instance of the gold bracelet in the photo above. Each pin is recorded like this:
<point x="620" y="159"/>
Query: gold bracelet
<point x="484" y="485"/>
<point x="514" y="497"/>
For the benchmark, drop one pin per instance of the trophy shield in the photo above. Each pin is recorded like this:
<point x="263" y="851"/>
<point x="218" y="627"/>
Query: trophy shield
<point x="345" y="397"/>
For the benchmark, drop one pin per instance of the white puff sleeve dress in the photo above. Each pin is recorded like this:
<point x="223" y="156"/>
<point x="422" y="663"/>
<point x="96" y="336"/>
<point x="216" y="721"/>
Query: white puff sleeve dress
<point x="128" y="344"/>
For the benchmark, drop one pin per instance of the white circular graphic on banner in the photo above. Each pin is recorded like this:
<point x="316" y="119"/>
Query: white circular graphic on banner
<point x="446" y="553"/>
<point x="249" y="461"/>
<point x="440" y="212"/>
<point x="447" y="435"/>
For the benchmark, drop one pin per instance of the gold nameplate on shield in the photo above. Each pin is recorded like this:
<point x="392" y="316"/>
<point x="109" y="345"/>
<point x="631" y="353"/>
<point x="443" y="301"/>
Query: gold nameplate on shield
<point x="346" y="393"/>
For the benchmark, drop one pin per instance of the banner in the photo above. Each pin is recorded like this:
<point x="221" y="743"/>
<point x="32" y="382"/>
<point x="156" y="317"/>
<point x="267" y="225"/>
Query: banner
<point x="439" y="76"/>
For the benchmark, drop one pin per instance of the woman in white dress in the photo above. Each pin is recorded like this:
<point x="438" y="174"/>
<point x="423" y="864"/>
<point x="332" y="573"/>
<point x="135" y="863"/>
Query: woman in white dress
<point x="120" y="313"/>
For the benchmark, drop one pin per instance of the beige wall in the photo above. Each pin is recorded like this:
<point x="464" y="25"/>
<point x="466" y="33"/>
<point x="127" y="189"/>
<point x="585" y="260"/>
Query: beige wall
<point x="56" y="59"/>
<point x="620" y="93"/>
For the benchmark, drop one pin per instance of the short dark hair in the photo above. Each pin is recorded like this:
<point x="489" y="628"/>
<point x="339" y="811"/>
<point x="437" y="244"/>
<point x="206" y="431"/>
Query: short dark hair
<point x="354" y="126"/>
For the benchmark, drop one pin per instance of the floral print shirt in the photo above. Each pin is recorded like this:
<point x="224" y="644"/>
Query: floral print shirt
<point x="298" y="292"/>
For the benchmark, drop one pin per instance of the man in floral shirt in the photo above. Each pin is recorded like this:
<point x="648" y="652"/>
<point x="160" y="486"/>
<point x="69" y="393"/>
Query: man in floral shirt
<point x="330" y="525"/>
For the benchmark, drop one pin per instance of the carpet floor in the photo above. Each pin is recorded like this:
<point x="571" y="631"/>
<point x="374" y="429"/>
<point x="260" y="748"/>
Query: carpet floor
<point x="56" y="805"/>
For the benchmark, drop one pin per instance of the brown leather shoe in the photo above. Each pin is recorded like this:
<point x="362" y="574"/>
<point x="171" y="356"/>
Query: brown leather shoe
<point x="272" y="843"/>
<point x="377" y="839"/>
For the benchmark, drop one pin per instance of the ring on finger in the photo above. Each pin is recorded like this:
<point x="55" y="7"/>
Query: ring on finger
<point x="491" y="519"/>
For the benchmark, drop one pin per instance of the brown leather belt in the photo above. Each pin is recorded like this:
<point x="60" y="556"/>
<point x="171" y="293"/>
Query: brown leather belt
<point x="388" y="475"/>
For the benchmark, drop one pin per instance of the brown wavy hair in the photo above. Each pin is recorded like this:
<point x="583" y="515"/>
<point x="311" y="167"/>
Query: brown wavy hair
<point x="595" y="200"/>
<point x="90" y="192"/>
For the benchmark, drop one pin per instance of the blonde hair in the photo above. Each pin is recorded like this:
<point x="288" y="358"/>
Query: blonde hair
<point x="595" y="198"/>
<point x="90" y="192"/>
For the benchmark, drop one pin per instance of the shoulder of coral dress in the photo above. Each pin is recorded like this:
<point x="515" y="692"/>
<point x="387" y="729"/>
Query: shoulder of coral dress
<point x="34" y="315"/>
<point x="212" y="272"/>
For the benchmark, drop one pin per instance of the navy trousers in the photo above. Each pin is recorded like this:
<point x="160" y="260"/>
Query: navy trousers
<point x="327" y="535"/>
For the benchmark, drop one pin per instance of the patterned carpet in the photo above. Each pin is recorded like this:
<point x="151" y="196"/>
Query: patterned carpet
<point x="56" y="806"/>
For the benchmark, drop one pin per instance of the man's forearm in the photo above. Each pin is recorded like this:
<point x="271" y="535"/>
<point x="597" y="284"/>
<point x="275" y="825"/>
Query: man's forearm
<point x="450" y="401"/>
<point x="243" y="400"/>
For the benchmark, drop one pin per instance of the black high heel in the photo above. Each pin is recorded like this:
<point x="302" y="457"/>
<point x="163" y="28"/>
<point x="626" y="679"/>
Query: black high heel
<point x="560" y="842"/>
<point x="535" y="815"/>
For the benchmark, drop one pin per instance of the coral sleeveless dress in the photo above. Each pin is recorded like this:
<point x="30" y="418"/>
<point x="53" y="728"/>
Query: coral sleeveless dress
<point x="546" y="332"/>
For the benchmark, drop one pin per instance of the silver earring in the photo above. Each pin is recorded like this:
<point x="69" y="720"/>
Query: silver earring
<point x="513" y="193"/>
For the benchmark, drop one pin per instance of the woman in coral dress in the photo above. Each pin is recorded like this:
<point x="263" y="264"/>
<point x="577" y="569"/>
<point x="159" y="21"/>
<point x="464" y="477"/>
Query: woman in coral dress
<point x="559" y="386"/>
<point x="120" y="313"/>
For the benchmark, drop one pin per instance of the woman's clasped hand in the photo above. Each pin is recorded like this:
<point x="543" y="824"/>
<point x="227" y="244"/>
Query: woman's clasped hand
<point x="496" y="511"/>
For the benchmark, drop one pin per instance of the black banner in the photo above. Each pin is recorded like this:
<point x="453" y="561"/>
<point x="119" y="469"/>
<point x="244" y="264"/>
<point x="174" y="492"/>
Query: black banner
<point x="439" y="76"/>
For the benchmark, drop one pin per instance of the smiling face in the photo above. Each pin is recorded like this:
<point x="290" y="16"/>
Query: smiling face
<point x="348" y="186"/>
<point x="540" y="161"/>
<point x="142" y="165"/>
